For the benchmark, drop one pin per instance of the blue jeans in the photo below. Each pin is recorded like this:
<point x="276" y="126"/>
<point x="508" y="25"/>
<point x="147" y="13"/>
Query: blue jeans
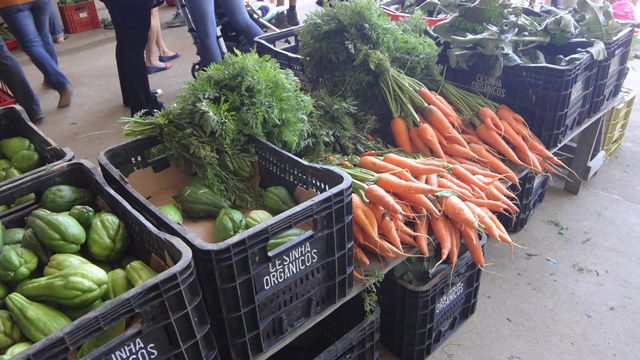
<point x="29" y="23"/>
<point x="202" y="14"/>
<point x="12" y="75"/>
<point x="55" y="26"/>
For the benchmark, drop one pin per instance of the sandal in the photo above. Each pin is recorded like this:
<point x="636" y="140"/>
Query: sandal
<point x="168" y="58"/>
<point x="155" y="69"/>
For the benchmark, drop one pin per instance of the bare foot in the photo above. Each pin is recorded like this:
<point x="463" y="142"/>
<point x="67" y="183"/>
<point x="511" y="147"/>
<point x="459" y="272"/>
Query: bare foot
<point x="65" y="97"/>
<point x="167" y="52"/>
<point x="156" y="64"/>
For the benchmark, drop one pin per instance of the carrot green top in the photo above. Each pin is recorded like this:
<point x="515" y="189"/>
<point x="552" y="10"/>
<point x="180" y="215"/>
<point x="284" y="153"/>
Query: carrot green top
<point x="7" y="3"/>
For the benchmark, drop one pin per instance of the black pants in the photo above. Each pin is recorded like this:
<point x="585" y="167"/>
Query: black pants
<point x="131" y="20"/>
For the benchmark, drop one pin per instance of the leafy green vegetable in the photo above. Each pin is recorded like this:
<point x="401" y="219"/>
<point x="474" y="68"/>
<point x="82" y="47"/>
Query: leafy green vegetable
<point x="213" y="119"/>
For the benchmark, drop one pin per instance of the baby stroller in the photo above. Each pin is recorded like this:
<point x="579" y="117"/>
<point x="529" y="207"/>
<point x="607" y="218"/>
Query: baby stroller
<point x="227" y="36"/>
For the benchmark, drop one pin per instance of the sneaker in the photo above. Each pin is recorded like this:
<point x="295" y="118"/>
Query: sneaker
<point x="292" y="18"/>
<point x="279" y="21"/>
<point x="176" y="21"/>
<point x="65" y="97"/>
<point x="108" y="24"/>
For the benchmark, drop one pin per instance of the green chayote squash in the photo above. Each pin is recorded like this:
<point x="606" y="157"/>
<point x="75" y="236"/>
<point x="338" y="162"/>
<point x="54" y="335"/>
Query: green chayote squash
<point x="4" y="291"/>
<point x="238" y="167"/>
<point x="59" y="262"/>
<point x="36" y="320"/>
<point x="10" y="333"/>
<point x="59" y="232"/>
<point x="83" y="214"/>
<point x="108" y="237"/>
<point x="104" y="337"/>
<point x="284" y="238"/>
<point x="24" y="199"/>
<point x="16" y="349"/>
<point x="13" y="236"/>
<point x="26" y="161"/>
<point x="4" y="164"/>
<point x="118" y="284"/>
<point x="198" y="201"/>
<point x="77" y="313"/>
<point x="12" y="146"/>
<point x="138" y="272"/>
<point x="76" y="286"/>
<point x="172" y="212"/>
<point x="277" y="199"/>
<point x="30" y="241"/>
<point x="228" y="223"/>
<point x="11" y="173"/>
<point x="60" y="198"/>
<point x="16" y="263"/>
<point x="256" y="217"/>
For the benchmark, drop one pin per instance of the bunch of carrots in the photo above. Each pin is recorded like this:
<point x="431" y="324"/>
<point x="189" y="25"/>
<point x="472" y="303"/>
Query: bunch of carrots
<point x="477" y="141"/>
<point x="398" y="199"/>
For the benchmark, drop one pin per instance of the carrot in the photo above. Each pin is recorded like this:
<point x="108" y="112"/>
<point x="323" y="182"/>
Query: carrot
<point x="446" y="184"/>
<point x="422" y="178"/>
<point x="431" y="99"/>
<point x="432" y="180"/>
<point x="529" y="159"/>
<point x="490" y="119"/>
<point x="457" y="210"/>
<point x="470" y="236"/>
<point x="419" y="200"/>
<point x="375" y="194"/>
<point x="503" y="190"/>
<point x="400" y="133"/>
<point x="477" y="165"/>
<point x="457" y="121"/>
<point x="360" y="256"/>
<point x="404" y="229"/>
<point x="357" y="276"/>
<point x="495" y="141"/>
<point x="435" y="118"/>
<point x="377" y="246"/>
<point x="422" y="241"/>
<point x="472" y="139"/>
<point x="504" y="236"/>
<point x="407" y="240"/>
<point x="441" y="230"/>
<point x="433" y="162"/>
<point x="457" y="182"/>
<point x="393" y="184"/>
<point x="494" y="163"/>
<point x="370" y="153"/>
<point x="455" y="243"/>
<point x="428" y="136"/>
<point x="414" y="168"/>
<point x="454" y="149"/>
<point x="489" y="227"/>
<point x="378" y="166"/>
<point x="389" y="230"/>
<point x="495" y="195"/>
<point x="418" y="143"/>
<point x="467" y="177"/>
<point x="364" y="217"/>
<point x="476" y="170"/>
<point x="490" y="204"/>
<point x="378" y="211"/>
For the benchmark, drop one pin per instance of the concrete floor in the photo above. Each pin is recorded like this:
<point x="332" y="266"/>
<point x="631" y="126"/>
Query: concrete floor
<point x="570" y="296"/>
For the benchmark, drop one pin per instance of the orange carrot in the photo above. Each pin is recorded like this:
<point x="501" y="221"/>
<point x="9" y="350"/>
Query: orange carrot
<point x="419" y="200"/>
<point x="490" y="204"/>
<point x="502" y="232"/>
<point x="489" y="227"/>
<point x="455" y="243"/>
<point x="360" y="256"/>
<point x="422" y="241"/>
<point x="378" y="246"/>
<point x="431" y="99"/>
<point x="400" y="133"/>
<point x="454" y="149"/>
<point x="457" y="210"/>
<point x="375" y="194"/>
<point x="414" y="168"/>
<point x="363" y="216"/>
<point x="529" y="159"/>
<point x="432" y="180"/>
<point x="407" y="240"/>
<point x="495" y="141"/>
<point x="490" y="119"/>
<point x="470" y="236"/>
<point x="357" y="276"/>
<point x="457" y="182"/>
<point x="495" y="195"/>
<point x="381" y="167"/>
<point x="494" y="163"/>
<point x="389" y="230"/>
<point x="441" y="231"/>
<point x="446" y="184"/>
<point x="435" y="118"/>
<point x="456" y="119"/>
<point x="428" y="136"/>
<point x="393" y="184"/>
<point x="419" y="145"/>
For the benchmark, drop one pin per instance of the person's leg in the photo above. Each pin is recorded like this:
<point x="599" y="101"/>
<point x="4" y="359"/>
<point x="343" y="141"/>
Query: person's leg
<point x="204" y="20"/>
<point x="238" y="16"/>
<point x="118" y="28"/>
<point x="57" y="33"/>
<point x="162" y="47"/>
<point x="150" y="52"/>
<point x="292" y="14"/>
<point x="12" y="75"/>
<point x="41" y="11"/>
<point x="135" y="19"/>
<point x="22" y="24"/>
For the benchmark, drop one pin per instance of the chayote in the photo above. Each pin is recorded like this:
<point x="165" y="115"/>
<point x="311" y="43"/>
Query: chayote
<point x="59" y="232"/>
<point x="108" y="237"/>
<point x="16" y="263"/>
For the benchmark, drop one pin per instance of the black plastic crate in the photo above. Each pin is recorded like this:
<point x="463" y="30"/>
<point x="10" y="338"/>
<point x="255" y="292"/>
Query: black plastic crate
<point x="344" y="334"/>
<point x="13" y="122"/>
<point x="612" y="71"/>
<point x="174" y="322"/>
<point x="250" y="312"/>
<point x="417" y="320"/>
<point x="283" y="46"/>
<point x="552" y="99"/>
<point x="532" y="191"/>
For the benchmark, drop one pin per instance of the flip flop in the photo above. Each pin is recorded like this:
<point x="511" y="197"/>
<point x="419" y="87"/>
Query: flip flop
<point x="155" y="69"/>
<point x="168" y="58"/>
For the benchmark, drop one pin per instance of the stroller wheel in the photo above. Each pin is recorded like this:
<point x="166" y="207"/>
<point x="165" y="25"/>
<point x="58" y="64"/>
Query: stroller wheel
<point x="195" y="68"/>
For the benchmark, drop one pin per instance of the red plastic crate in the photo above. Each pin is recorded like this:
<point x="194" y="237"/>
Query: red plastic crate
<point x="6" y="98"/>
<point x="12" y="44"/>
<point x="397" y="16"/>
<point x="79" y="17"/>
